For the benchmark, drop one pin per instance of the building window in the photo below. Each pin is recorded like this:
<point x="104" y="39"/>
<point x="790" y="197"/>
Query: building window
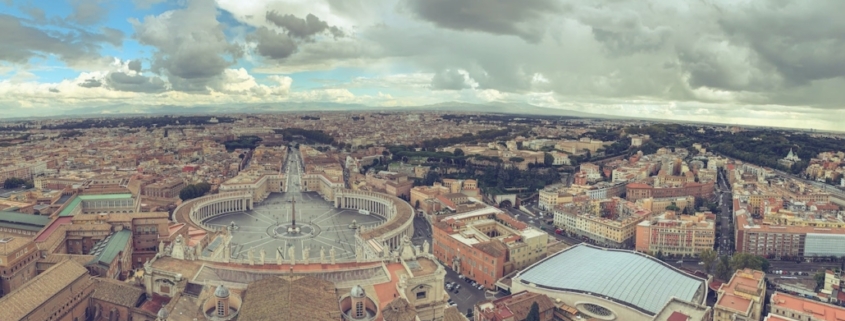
<point x="421" y="295"/>
<point x="220" y="309"/>
<point x="359" y="310"/>
<point x="597" y="310"/>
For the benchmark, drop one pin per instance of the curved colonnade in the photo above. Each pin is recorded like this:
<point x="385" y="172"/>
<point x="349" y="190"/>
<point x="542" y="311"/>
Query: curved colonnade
<point x="196" y="211"/>
<point x="398" y="214"/>
<point x="387" y="235"/>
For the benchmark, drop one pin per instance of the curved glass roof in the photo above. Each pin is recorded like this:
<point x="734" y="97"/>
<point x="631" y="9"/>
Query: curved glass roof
<point x="621" y="275"/>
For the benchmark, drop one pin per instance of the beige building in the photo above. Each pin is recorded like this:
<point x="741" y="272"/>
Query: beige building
<point x="552" y="196"/>
<point x="59" y="294"/>
<point x="685" y="235"/>
<point x="658" y="205"/>
<point x="742" y="297"/>
<point x="610" y="222"/>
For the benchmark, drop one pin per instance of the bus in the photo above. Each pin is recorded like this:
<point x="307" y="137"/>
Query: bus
<point x="364" y="212"/>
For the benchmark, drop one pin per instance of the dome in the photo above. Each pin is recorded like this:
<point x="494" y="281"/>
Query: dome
<point x="357" y="292"/>
<point x="221" y="292"/>
<point x="162" y="314"/>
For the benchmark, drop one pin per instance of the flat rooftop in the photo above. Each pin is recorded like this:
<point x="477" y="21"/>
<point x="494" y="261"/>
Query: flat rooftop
<point x="818" y="310"/>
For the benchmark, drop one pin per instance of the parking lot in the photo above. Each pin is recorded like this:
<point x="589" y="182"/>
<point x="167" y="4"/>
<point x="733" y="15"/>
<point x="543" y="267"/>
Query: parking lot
<point x="467" y="296"/>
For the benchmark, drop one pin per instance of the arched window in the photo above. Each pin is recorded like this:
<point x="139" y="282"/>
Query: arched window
<point x="359" y="310"/>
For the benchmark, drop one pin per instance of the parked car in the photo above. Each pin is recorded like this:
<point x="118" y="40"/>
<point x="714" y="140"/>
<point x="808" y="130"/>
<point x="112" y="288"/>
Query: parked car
<point x="480" y="287"/>
<point x="461" y="276"/>
<point x="457" y="286"/>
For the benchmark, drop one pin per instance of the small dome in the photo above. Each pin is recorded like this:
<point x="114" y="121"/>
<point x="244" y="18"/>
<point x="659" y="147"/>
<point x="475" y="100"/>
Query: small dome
<point x="162" y="314"/>
<point x="221" y="292"/>
<point x="357" y="292"/>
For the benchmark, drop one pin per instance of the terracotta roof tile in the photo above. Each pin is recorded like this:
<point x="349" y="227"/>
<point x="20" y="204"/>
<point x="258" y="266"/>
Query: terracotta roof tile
<point x="36" y="292"/>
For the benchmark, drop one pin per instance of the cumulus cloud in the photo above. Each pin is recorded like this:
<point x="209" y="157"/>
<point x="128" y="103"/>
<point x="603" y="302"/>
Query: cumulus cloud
<point x="272" y="44"/>
<point x="88" y="12"/>
<point x="22" y="42"/>
<point x="122" y="81"/>
<point x="302" y="28"/>
<point x="452" y="79"/>
<point x="91" y="83"/>
<point x="134" y="65"/>
<point x="146" y="4"/>
<point x="191" y="47"/>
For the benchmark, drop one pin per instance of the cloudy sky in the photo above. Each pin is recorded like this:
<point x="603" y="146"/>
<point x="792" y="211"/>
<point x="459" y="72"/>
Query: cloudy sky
<point x="765" y="62"/>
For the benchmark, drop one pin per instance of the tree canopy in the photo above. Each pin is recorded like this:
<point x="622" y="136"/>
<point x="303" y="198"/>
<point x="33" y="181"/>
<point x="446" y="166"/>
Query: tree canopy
<point x="14" y="182"/>
<point x="194" y="190"/>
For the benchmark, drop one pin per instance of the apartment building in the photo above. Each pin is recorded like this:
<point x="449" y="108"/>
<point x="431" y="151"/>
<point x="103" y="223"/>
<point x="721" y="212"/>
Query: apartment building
<point x="168" y="188"/>
<point x="669" y="233"/>
<point x="658" y="205"/>
<point x="742" y="297"/>
<point x="609" y="222"/>
<point x="636" y="191"/>
<point x="791" y="307"/>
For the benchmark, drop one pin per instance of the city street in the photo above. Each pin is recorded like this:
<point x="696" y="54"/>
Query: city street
<point x="724" y="243"/>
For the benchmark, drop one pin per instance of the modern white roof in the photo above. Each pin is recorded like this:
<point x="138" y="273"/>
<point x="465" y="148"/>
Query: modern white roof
<point x="623" y="276"/>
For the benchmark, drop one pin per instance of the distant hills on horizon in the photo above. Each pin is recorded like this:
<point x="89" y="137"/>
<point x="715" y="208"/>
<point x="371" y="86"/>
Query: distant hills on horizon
<point x="130" y="110"/>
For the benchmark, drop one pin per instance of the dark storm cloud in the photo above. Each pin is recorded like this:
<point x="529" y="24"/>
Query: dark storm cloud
<point x="21" y="42"/>
<point x="191" y="47"/>
<point x="53" y="90"/>
<point x="91" y="83"/>
<point x="88" y="12"/>
<point x="525" y="19"/>
<point x="302" y="28"/>
<point x="803" y="40"/>
<point x="134" y="65"/>
<point x="272" y="44"/>
<point x="135" y="83"/>
<point x="449" y="79"/>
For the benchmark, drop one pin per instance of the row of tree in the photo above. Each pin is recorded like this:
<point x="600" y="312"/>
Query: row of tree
<point x="132" y="122"/>
<point x="724" y="266"/>
<point x="243" y="142"/>
<point x="762" y="147"/>
<point x="194" y="190"/>
<point x="317" y="136"/>
<point x="15" y="182"/>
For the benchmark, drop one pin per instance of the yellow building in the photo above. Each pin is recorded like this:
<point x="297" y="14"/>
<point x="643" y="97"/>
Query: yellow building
<point x="742" y="297"/>
<point x="658" y="205"/>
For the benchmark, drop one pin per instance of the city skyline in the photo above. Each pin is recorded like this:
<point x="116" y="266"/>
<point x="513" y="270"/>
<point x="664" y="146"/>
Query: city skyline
<point x="719" y="61"/>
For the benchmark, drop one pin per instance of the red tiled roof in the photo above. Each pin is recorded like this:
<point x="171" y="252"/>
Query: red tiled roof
<point x="677" y="316"/>
<point x="52" y="228"/>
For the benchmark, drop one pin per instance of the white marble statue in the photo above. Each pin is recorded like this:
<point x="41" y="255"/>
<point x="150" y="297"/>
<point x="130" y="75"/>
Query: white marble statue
<point x="292" y="255"/>
<point x="426" y="246"/>
<point x="322" y="255"/>
<point x="332" y="253"/>
<point x="305" y="253"/>
<point x="262" y="255"/>
<point x="250" y="256"/>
